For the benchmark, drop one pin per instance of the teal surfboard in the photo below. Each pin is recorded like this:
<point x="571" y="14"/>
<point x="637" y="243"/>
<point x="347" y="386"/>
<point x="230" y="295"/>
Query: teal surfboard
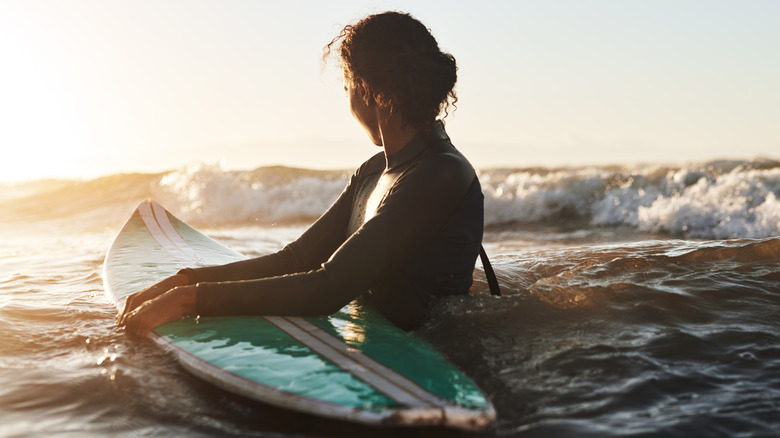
<point x="353" y="365"/>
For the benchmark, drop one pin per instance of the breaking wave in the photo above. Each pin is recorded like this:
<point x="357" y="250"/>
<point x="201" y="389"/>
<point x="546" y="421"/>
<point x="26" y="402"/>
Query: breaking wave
<point x="719" y="199"/>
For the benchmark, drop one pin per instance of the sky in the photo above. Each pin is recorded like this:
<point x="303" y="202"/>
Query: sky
<point x="96" y="87"/>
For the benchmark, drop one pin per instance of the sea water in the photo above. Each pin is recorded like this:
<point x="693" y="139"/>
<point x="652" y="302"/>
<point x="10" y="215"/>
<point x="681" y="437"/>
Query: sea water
<point x="639" y="300"/>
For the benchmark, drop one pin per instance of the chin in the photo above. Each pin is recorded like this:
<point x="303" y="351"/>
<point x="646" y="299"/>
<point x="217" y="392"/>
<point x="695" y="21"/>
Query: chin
<point x="376" y="139"/>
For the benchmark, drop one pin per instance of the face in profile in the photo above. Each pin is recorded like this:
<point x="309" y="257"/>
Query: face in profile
<point x="364" y="113"/>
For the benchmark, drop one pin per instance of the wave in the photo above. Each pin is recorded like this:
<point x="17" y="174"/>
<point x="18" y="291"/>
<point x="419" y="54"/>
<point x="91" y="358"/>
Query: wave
<point x="717" y="199"/>
<point x="207" y="193"/>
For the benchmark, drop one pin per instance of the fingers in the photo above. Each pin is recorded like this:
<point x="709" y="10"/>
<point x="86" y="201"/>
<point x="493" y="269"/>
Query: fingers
<point x="144" y="318"/>
<point x="120" y="315"/>
<point x="121" y="318"/>
<point x="160" y="310"/>
<point x="136" y="325"/>
<point x="132" y="303"/>
<point x="137" y="299"/>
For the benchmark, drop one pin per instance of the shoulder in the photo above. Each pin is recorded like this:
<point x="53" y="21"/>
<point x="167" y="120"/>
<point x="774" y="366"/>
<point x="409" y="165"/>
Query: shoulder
<point x="441" y="173"/>
<point x="446" y="165"/>
<point x="373" y="165"/>
<point x="441" y="156"/>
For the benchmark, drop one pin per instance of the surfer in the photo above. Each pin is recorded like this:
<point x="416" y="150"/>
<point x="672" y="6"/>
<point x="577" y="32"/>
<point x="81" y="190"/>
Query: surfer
<point x="408" y="226"/>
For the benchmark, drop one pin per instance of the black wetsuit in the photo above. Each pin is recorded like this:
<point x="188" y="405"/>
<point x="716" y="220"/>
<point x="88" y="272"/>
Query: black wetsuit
<point x="406" y="229"/>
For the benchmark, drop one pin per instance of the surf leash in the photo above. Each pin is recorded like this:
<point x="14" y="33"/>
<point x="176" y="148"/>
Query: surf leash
<point x="489" y="274"/>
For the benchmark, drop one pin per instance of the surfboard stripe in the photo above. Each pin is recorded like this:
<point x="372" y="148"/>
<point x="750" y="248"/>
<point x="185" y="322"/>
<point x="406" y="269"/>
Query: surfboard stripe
<point x="393" y="376"/>
<point x="147" y="215"/>
<point x="382" y="378"/>
<point x="398" y="379"/>
<point x="161" y="216"/>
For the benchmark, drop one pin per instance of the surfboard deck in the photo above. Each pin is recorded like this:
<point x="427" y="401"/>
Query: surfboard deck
<point x="353" y="365"/>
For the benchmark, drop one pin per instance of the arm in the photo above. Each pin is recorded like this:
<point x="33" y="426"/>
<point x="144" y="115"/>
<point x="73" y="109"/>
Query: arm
<point x="416" y="209"/>
<point x="307" y="252"/>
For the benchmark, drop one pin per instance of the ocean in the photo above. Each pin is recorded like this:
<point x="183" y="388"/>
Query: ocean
<point x="639" y="300"/>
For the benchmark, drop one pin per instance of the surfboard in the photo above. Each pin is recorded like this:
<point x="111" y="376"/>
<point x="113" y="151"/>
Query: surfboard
<point x="353" y="365"/>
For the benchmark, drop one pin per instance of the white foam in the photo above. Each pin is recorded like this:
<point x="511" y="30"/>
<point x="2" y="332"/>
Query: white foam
<point x="529" y="197"/>
<point x="710" y="200"/>
<point x="737" y="204"/>
<point x="207" y="193"/>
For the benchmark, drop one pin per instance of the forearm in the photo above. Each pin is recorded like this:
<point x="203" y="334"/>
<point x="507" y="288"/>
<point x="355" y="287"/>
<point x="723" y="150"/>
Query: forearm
<point x="307" y="252"/>
<point x="303" y="294"/>
<point x="271" y="265"/>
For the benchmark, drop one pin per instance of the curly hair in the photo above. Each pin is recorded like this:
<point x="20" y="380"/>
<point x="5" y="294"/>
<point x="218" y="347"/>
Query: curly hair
<point x="393" y="59"/>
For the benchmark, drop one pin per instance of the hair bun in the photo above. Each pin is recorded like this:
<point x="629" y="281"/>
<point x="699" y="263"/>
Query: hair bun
<point x="398" y="58"/>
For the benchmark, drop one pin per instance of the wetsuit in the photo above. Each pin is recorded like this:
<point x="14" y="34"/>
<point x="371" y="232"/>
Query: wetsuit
<point x="406" y="229"/>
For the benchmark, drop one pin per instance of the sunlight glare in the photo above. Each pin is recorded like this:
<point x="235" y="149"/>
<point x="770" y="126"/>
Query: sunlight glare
<point x="39" y="135"/>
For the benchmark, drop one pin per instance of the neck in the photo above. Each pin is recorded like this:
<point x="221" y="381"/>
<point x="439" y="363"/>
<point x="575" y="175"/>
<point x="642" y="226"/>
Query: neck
<point x="394" y="133"/>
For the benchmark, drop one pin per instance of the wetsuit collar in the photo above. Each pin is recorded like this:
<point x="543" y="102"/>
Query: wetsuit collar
<point x="418" y="144"/>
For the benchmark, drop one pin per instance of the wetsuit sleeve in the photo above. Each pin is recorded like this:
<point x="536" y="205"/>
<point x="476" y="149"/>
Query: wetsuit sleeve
<point x="307" y="252"/>
<point x="412" y="213"/>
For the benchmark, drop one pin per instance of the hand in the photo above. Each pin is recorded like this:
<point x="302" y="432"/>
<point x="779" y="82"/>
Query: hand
<point x="167" y="307"/>
<point x="150" y="293"/>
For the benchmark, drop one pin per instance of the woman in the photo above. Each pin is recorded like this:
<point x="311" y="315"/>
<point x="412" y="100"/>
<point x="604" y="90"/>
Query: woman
<point x="407" y="228"/>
